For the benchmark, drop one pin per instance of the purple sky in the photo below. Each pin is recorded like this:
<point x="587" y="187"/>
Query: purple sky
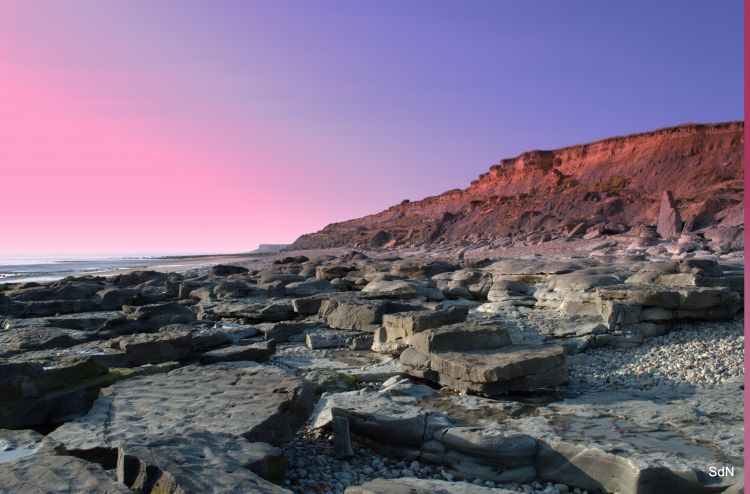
<point x="194" y="126"/>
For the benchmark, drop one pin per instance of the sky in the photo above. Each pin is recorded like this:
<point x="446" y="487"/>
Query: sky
<point x="182" y="126"/>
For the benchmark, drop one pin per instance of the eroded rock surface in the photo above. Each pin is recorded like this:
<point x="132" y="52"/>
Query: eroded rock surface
<point x="257" y="402"/>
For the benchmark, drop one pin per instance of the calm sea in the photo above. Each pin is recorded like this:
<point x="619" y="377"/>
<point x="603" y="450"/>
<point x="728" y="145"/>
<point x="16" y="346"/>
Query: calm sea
<point x="47" y="268"/>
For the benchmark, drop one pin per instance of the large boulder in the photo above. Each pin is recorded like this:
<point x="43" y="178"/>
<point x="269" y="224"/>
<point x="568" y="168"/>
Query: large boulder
<point x="498" y="371"/>
<point x="397" y="329"/>
<point x="308" y="306"/>
<point x="482" y="360"/>
<point x="285" y="278"/>
<point x="636" y="312"/>
<point x="282" y="331"/>
<point x="347" y="311"/>
<point x="670" y="222"/>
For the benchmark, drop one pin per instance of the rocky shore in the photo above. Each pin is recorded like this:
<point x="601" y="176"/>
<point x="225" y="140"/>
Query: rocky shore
<point x="615" y="367"/>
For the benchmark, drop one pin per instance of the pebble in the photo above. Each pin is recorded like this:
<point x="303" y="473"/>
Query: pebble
<point x="699" y="354"/>
<point x="313" y="468"/>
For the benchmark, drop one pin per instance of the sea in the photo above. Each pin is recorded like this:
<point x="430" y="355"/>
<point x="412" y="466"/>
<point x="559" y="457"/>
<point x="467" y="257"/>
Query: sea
<point x="14" y="269"/>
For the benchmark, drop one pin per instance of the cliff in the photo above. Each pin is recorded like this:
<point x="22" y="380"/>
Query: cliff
<point x="613" y="185"/>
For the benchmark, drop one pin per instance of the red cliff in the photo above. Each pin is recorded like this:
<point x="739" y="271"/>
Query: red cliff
<point x="613" y="185"/>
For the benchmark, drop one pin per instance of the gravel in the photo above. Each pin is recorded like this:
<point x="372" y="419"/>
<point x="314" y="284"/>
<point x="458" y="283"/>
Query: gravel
<point x="698" y="354"/>
<point x="313" y="469"/>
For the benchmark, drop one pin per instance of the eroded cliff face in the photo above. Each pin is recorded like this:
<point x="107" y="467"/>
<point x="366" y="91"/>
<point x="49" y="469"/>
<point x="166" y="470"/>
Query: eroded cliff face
<point x="612" y="185"/>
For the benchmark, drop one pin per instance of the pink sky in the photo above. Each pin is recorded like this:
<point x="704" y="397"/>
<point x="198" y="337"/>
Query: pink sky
<point x="185" y="126"/>
<point x="135" y="156"/>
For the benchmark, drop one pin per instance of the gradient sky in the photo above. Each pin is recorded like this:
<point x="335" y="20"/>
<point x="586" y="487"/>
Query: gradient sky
<point x="195" y="126"/>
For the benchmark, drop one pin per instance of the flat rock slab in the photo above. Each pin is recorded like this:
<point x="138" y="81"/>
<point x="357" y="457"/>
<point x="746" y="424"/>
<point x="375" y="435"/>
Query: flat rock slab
<point x="421" y="486"/>
<point x="256" y="352"/>
<point x="500" y="364"/>
<point x="258" y="402"/>
<point x="46" y="472"/>
<point x="199" y="462"/>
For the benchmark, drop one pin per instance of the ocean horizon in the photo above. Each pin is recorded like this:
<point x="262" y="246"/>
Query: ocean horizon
<point x="26" y="268"/>
<point x="39" y="267"/>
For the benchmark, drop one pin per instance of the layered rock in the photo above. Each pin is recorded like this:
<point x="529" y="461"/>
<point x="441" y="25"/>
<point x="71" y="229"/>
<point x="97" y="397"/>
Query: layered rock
<point x="611" y="184"/>
<point x="352" y="312"/>
<point x="482" y="360"/>
<point x="398" y="329"/>
<point x="598" y="442"/>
